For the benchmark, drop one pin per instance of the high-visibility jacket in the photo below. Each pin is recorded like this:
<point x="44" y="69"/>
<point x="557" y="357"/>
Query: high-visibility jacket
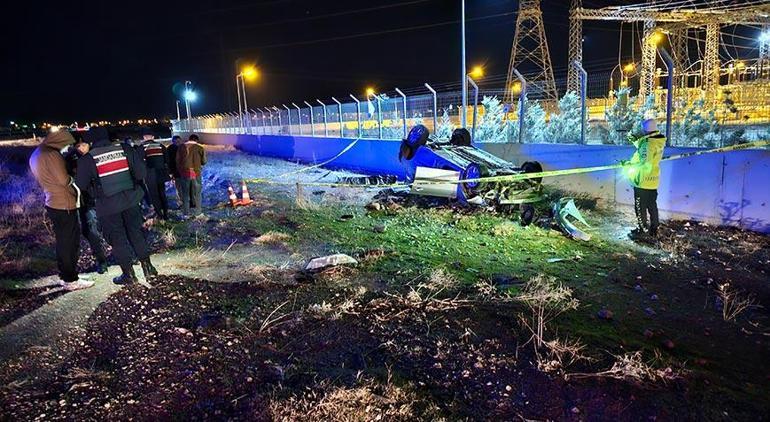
<point x="112" y="169"/>
<point x="644" y="169"/>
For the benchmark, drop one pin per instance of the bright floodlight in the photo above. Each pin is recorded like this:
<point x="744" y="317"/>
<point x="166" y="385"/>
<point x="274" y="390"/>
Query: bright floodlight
<point x="369" y="92"/>
<point x="764" y="37"/>
<point x="630" y="67"/>
<point x="477" y="72"/>
<point x="250" y="73"/>
<point x="190" y="95"/>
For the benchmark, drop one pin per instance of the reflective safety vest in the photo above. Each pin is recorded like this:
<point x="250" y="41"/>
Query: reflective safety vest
<point x="112" y="169"/>
<point x="153" y="155"/>
<point x="645" y="170"/>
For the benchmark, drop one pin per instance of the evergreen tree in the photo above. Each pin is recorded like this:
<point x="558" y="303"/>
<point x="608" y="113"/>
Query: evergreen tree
<point x="490" y="126"/>
<point x="565" y="126"/>
<point x="445" y="127"/>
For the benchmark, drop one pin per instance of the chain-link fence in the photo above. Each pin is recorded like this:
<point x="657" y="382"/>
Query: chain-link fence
<point x="614" y="109"/>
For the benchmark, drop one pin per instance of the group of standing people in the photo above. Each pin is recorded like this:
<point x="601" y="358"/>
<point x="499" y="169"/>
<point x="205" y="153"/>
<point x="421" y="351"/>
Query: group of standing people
<point x="95" y="183"/>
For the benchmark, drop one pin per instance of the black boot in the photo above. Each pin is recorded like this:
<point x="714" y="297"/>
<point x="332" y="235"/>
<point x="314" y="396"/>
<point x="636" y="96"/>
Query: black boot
<point x="128" y="277"/>
<point x="101" y="267"/>
<point x="148" y="269"/>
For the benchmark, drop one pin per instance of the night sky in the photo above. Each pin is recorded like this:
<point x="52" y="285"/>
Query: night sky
<point x="89" y="60"/>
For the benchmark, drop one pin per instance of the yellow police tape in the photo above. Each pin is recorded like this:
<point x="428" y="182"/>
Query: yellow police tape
<point x="511" y="177"/>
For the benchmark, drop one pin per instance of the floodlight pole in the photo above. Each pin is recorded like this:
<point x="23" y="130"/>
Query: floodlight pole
<point x="669" y="92"/>
<point x="522" y="104"/>
<point x="358" y="115"/>
<point x="463" y="120"/>
<point x="435" y="107"/>
<point x="187" y="100"/>
<point x="339" y="107"/>
<point x="312" y="125"/>
<point x="326" y="128"/>
<point x="583" y="93"/>
<point x="475" y="105"/>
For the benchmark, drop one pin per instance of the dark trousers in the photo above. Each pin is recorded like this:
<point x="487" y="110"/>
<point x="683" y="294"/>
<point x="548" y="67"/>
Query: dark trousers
<point x="89" y="227"/>
<point x="67" y="232"/>
<point x="156" y="187"/>
<point x="191" y="194"/>
<point x="123" y="231"/>
<point x="646" y="202"/>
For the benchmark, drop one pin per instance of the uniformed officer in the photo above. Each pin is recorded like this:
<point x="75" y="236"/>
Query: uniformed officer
<point x="156" y="159"/>
<point x="644" y="174"/>
<point x="113" y="173"/>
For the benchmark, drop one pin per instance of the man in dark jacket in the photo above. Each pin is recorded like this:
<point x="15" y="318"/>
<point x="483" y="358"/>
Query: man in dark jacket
<point x="190" y="159"/>
<point x="87" y="213"/>
<point x="157" y="173"/>
<point x="114" y="174"/>
<point x="176" y="140"/>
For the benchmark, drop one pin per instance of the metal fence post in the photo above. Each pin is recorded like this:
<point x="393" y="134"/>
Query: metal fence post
<point x="312" y="124"/>
<point x="280" y="123"/>
<point x="358" y="115"/>
<point x="403" y="97"/>
<point x="435" y="107"/>
<point x="379" y="114"/>
<point x="326" y="128"/>
<point x="522" y="104"/>
<point x="669" y="92"/>
<point x="339" y="107"/>
<point x="288" y="116"/>
<point x="475" y="106"/>
<point x="299" y="117"/>
<point x="583" y="86"/>
<point x="272" y="128"/>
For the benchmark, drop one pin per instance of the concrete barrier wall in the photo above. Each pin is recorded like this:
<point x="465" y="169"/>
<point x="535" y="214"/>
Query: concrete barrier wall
<point x="728" y="188"/>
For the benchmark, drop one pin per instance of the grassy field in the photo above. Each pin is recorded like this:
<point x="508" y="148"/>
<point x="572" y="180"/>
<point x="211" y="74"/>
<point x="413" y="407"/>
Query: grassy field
<point x="450" y="314"/>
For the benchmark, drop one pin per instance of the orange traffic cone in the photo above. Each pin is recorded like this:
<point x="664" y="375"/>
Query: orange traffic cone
<point x="245" y="198"/>
<point x="231" y="195"/>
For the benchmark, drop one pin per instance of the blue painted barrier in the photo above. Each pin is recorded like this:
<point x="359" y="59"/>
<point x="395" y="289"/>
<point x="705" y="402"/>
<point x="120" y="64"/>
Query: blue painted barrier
<point x="727" y="188"/>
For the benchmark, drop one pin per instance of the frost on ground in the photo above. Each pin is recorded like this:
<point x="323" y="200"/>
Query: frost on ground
<point x="447" y="314"/>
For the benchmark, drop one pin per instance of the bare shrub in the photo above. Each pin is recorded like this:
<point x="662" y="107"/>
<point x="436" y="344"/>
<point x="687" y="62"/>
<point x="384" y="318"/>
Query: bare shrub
<point x="272" y="238"/>
<point x="632" y="367"/>
<point x="368" y="400"/>
<point x="734" y="302"/>
<point x="168" y="238"/>
<point x="546" y="298"/>
<point x="197" y="258"/>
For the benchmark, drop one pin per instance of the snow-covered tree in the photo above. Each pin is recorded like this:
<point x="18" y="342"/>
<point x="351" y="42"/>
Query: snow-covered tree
<point x="565" y="126"/>
<point x="535" y="128"/>
<point x="490" y="126"/>
<point x="695" y="125"/>
<point x="445" y="127"/>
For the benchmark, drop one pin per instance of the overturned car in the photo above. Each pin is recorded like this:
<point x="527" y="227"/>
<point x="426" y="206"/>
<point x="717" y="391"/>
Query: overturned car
<point x="431" y="162"/>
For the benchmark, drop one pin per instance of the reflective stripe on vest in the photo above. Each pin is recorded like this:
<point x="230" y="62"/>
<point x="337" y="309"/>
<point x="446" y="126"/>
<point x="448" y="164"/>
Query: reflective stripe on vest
<point x="153" y="153"/>
<point x="112" y="169"/>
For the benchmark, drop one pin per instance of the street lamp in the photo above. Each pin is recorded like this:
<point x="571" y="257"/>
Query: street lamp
<point x="477" y="72"/>
<point x="247" y="74"/>
<point x="189" y="96"/>
<point x="370" y="93"/>
<point x="463" y="71"/>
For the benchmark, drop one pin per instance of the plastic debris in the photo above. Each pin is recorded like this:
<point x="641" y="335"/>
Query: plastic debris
<point x="565" y="207"/>
<point x="330" y="261"/>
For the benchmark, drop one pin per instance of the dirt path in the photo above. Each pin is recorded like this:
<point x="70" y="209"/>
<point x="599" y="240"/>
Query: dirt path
<point x="58" y="322"/>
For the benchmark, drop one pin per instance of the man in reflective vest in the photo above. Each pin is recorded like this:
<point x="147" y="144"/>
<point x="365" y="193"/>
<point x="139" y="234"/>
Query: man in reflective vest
<point x="114" y="173"/>
<point x="643" y="171"/>
<point x="157" y="174"/>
